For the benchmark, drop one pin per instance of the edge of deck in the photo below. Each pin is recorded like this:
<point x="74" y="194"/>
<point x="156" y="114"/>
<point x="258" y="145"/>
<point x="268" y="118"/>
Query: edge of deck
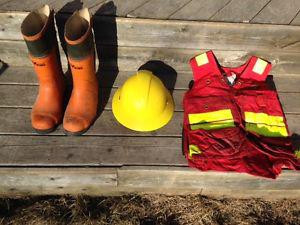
<point x="140" y="179"/>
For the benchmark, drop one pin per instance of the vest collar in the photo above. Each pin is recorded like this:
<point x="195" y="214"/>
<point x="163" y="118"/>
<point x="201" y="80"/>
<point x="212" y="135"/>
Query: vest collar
<point x="255" y="69"/>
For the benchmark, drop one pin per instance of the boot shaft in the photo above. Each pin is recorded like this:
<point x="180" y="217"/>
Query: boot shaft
<point x="79" y="36"/>
<point x="80" y="47"/>
<point x="38" y="30"/>
<point x="39" y="33"/>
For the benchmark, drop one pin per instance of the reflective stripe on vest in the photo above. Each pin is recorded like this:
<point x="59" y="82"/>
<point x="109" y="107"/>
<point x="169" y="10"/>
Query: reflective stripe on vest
<point x="211" y="120"/>
<point x="297" y="154"/>
<point x="194" y="150"/>
<point x="265" y="125"/>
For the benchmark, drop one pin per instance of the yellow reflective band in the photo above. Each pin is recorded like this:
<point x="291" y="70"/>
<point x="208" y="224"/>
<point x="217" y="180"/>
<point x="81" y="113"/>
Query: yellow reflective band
<point x="213" y="125"/>
<point x="260" y="66"/>
<point x="297" y="154"/>
<point x="211" y="120"/>
<point x="266" y="125"/>
<point x="201" y="59"/>
<point x="194" y="150"/>
<point x="264" y="118"/>
<point x="220" y="115"/>
<point x="267" y="130"/>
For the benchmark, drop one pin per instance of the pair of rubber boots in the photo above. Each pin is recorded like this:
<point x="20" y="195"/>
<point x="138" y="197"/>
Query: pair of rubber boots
<point x="39" y="33"/>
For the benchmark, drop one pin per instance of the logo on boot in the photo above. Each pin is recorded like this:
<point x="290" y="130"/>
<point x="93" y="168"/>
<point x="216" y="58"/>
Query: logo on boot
<point x="76" y="67"/>
<point x="38" y="64"/>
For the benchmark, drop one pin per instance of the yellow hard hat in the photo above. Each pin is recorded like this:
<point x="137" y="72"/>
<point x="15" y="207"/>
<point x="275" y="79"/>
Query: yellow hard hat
<point x="143" y="103"/>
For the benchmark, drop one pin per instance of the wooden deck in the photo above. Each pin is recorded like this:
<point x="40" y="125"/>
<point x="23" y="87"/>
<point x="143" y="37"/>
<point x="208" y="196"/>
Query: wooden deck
<point x="245" y="11"/>
<point x="110" y="159"/>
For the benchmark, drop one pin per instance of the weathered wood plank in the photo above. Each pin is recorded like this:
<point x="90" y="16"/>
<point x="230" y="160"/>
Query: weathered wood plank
<point x="117" y="7"/>
<point x="17" y="121"/>
<point x="131" y="58"/>
<point x="278" y="12"/>
<point x="45" y="181"/>
<point x="239" y="11"/>
<point x="158" y="9"/>
<point x="93" y="151"/>
<point x="174" y="34"/>
<point x="26" y="76"/>
<point x="296" y="20"/>
<point x="175" y="180"/>
<point x="90" y="151"/>
<point x="28" y="93"/>
<point x="58" y="5"/>
<point x="29" y="5"/>
<point x="3" y="1"/>
<point x="185" y="180"/>
<point x="199" y="10"/>
<point x="67" y="6"/>
<point x="101" y="7"/>
<point x="236" y="11"/>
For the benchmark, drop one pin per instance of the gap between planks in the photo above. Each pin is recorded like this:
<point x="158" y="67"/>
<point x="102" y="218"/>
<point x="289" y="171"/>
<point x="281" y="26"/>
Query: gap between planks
<point x="131" y="58"/>
<point x="27" y="96"/>
<point x="173" y="34"/>
<point x="25" y="76"/>
<point x="17" y="121"/>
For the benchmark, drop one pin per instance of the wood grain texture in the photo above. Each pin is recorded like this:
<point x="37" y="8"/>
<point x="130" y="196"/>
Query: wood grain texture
<point x="3" y="1"/>
<point x="101" y="7"/>
<point x="90" y="151"/>
<point x="163" y="180"/>
<point x="278" y="12"/>
<point x="199" y="10"/>
<point x="131" y="58"/>
<point x="82" y="151"/>
<point x="30" y="5"/>
<point x="67" y="6"/>
<point x="26" y="76"/>
<point x="17" y="122"/>
<point x="28" y="93"/>
<point x="296" y="20"/>
<point x="158" y="9"/>
<point x="117" y="7"/>
<point x="239" y="11"/>
<point x="185" y="180"/>
<point x="174" y="34"/>
<point x="44" y="181"/>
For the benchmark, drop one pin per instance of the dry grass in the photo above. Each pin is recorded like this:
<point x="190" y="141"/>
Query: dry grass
<point x="147" y="209"/>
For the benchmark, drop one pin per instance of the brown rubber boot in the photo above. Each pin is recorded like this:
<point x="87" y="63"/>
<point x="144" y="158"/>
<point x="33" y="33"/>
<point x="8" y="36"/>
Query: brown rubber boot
<point x="40" y="36"/>
<point x="82" y="107"/>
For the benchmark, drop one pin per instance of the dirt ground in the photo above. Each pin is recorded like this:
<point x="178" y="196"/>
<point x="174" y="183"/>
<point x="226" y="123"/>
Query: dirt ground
<point x="146" y="210"/>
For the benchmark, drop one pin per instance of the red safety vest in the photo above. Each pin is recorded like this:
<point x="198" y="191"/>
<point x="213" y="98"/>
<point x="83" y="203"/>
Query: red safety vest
<point x="233" y="120"/>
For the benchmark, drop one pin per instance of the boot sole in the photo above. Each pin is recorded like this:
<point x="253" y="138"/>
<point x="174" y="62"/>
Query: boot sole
<point x="45" y="131"/>
<point x="78" y="133"/>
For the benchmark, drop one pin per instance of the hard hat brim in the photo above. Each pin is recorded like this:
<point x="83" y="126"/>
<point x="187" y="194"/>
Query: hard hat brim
<point x="142" y="125"/>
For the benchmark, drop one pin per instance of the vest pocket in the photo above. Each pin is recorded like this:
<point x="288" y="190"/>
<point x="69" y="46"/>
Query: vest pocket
<point x="213" y="120"/>
<point x="265" y="125"/>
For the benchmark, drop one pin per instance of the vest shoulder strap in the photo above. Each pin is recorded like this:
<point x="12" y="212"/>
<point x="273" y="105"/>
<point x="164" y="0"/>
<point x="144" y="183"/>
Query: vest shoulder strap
<point x="257" y="69"/>
<point x="204" y="64"/>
